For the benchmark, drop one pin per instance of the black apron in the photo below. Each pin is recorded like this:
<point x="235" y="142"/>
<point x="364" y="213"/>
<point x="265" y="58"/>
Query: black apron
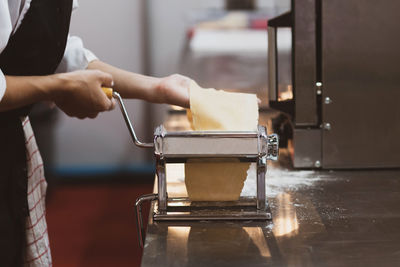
<point x="35" y="49"/>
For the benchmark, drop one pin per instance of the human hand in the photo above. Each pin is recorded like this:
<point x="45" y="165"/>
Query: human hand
<point x="174" y="90"/>
<point x="80" y="93"/>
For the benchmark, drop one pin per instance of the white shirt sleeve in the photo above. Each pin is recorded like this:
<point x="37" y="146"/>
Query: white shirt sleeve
<point x="5" y="32"/>
<point x="3" y="85"/>
<point x="76" y="56"/>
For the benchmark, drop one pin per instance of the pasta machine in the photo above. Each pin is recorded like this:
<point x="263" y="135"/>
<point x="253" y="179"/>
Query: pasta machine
<point x="178" y="147"/>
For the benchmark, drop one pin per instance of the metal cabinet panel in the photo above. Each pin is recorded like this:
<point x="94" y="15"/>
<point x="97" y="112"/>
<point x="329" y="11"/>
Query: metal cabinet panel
<point x="304" y="62"/>
<point x="361" y="77"/>
<point x="307" y="148"/>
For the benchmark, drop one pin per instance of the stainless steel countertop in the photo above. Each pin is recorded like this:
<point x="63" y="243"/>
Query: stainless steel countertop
<point x="340" y="218"/>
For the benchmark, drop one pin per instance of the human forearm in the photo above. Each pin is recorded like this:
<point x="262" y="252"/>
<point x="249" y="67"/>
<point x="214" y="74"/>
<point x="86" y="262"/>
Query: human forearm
<point x="129" y="84"/>
<point x="170" y="90"/>
<point x="26" y="90"/>
<point x="78" y="93"/>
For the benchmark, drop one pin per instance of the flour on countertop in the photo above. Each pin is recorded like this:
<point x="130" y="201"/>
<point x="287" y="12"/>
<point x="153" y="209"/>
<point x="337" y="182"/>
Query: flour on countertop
<point x="279" y="180"/>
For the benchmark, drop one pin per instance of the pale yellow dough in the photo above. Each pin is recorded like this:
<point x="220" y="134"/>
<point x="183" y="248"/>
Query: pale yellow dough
<point x="222" y="111"/>
<point x="217" y="110"/>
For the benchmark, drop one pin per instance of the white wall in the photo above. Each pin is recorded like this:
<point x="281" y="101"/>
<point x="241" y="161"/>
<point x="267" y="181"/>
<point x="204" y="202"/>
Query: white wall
<point x="168" y="24"/>
<point x="112" y="30"/>
<point x="168" y="31"/>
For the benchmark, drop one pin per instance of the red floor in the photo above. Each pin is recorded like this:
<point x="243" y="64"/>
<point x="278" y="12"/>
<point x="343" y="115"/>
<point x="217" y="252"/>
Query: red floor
<point x="94" y="224"/>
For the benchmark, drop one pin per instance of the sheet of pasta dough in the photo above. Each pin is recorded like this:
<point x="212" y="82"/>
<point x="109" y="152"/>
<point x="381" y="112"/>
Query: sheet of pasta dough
<point x="217" y="110"/>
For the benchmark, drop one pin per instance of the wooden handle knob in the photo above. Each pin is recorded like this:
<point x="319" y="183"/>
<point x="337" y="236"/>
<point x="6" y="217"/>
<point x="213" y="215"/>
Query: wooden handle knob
<point x="108" y="92"/>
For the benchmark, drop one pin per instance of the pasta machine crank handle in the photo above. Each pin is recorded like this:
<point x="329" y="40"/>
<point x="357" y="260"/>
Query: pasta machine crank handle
<point x="149" y="197"/>
<point x="111" y="93"/>
<point x="117" y="96"/>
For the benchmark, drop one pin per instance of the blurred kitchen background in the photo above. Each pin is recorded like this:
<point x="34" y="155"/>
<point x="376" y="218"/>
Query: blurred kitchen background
<point x="201" y="39"/>
<point x="95" y="172"/>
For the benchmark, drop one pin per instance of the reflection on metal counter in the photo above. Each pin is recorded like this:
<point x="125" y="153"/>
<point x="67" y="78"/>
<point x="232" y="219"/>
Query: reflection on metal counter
<point x="345" y="82"/>
<point x="285" y="222"/>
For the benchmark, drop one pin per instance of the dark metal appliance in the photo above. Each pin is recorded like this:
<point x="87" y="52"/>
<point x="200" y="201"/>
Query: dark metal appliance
<point x="345" y="69"/>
